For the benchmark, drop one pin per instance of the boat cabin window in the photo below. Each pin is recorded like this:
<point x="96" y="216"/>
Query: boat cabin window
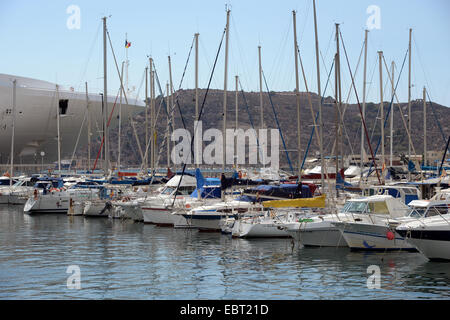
<point x="354" y="207"/>
<point x="417" y="212"/>
<point x="379" y="207"/>
<point x="5" y="182"/>
<point x="63" y="105"/>
<point x="18" y="183"/>
<point x="437" y="210"/>
<point x="185" y="190"/>
<point x="168" y="190"/>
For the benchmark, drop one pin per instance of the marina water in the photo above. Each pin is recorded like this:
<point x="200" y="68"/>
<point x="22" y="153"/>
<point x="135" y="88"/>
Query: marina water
<point x="121" y="259"/>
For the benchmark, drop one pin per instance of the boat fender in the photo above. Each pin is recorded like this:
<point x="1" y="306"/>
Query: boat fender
<point x="35" y="194"/>
<point x="390" y="235"/>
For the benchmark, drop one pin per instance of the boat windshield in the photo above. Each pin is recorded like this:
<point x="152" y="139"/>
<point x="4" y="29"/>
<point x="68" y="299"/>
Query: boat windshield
<point x="354" y="207"/>
<point x="437" y="210"/>
<point x="18" y="183"/>
<point x="168" y="190"/>
<point x="417" y="212"/>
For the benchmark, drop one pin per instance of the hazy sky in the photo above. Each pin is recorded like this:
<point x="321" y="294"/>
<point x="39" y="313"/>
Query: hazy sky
<point x="37" y="42"/>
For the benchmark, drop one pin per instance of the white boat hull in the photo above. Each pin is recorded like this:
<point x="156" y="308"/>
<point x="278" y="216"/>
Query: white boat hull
<point x="157" y="215"/>
<point x="361" y="236"/>
<point x="246" y="228"/>
<point x="96" y="208"/>
<point x="432" y="249"/>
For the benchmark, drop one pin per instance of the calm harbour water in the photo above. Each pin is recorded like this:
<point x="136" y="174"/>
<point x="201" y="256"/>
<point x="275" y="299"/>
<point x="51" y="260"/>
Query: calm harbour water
<point x="126" y="260"/>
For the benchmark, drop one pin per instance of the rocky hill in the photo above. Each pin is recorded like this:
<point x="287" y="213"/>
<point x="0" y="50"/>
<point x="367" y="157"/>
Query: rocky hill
<point x="284" y="104"/>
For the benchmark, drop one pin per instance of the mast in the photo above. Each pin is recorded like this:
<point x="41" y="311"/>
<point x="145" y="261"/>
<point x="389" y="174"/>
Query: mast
<point x="363" y="106"/>
<point x="338" y="99"/>
<point x="424" y="127"/>
<point x="261" y="106"/>
<point x="58" y="130"/>
<point x="225" y="94"/>
<point x="168" y="124"/>
<point x="13" y="131"/>
<point x="89" y="127"/>
<point x="146" y="118"/>
<point x="297" y="99"/>
<point x="336" y="125"/>
<point x="152" y="117"/>
<point x="409" y="102"/>
<point x="237" y="110"/>
<point x="196" y="139"/>
<point x="319" y="92"/>
<point x="392" y="117"/>
<point x="172" y="105"/>
<point x="380" y="55"/>
<point x="127" y="64"/>
<point x="120" y="120"/>
<point x="105" y="94"/>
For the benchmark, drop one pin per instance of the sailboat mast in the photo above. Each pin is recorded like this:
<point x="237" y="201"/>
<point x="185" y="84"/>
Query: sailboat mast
<point x="297" y="98"/>
<point x="424" y="127"/>
<point x="237" y="109"/>
<point x="261" y="107"/>
<point x="409" y="101"/>
<point x="196" y="139"/>
<point x="319" y="92"/>
<point x="172" y="104"/>
<point x="392" y="116"/>
<point x="338" y="99"/>
<point x="127" y="64"/>
<point x="146" y="119"/>
<point x="13" y="131"/>
<point x="105" y="94"/>
<point x="380" y="56"/>
<point x="225" y="93"/>
<point x="58" y="130"/>
<point x="89" y="127"/>
<point x="152" y="117"/>
<point x="363" y="106"/>
<point x="120" y="120"/>
<point x="168" y="124"/>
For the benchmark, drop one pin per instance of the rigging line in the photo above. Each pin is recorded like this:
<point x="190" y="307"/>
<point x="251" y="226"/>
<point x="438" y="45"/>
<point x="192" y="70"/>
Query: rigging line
<point x="199" y="116"/>
<point x="436" y="117"/>
<point x="279" y="57"/>
<point x="177" y="92"/>
<point x="346" y="104"/>
<point x="138" y="91"/>
<point x="319" y="142"/>
<point x="317" y="116"/>
<point x="308" y="9"/>
<point x="248" y="111"/>
<point x="126" y="99"/>
<point x="390" y="105"/>
<point x="239" y="47"/>
<point x="360" y="110"/>
<point x="278" y="124"/>
<point x="78" y="138"/>
<point x="90" y="54"/>
<point x="103" y="136"/>
<point x="162" y="102"/>
<point x="367" y="94"/>
<point x="401" y="113"/>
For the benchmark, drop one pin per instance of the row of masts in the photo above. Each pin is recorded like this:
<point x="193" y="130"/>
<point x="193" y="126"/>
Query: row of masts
<point x="150" y="161"/>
